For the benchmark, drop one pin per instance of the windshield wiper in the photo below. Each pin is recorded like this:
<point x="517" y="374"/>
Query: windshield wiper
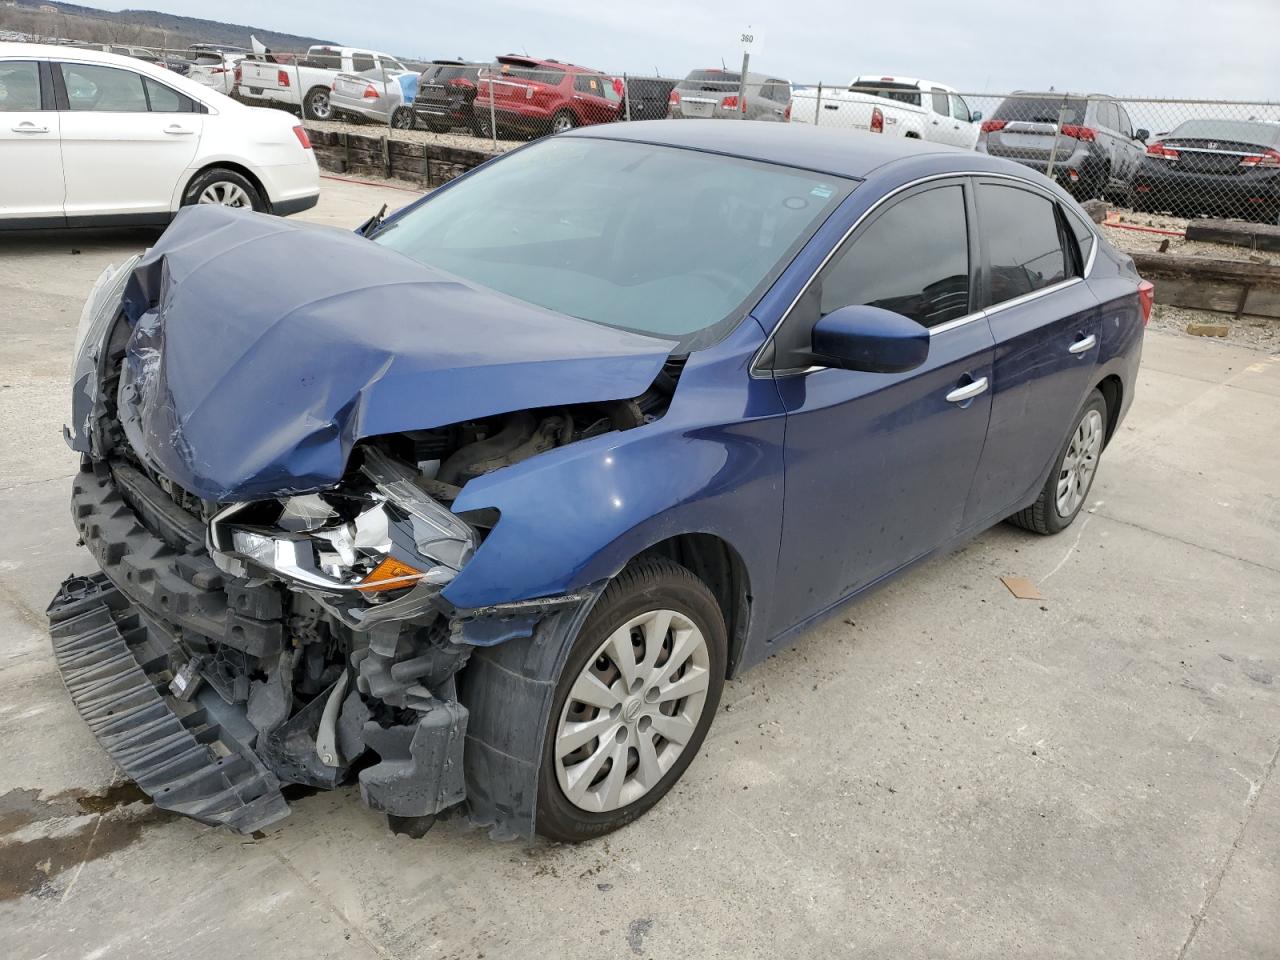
<point x="370" y="226"/>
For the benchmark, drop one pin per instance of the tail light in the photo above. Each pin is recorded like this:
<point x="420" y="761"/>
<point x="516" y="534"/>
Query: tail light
<point x="216" y="70"/>
<point x="877" y="120"/>
<point x="991" y="126"/>
<point x="786" y="114"/>
<point x="673" y="98"/>
<point x="301" y="133"/>
<point x="729" y="103"/>
<point x="1146" y="299"/>
<point x="1077" y="132"/>
<point x="370" y="92"/>
<point x="237" y="76"/>
<point x="1158" y="149"/>
<point x="1268" y="158"/>
<point x="282" y="78"/>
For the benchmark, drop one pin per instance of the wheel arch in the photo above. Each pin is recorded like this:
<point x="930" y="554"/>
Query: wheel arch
<point x="1112" y="389"/>
<point x="233" y="165"/>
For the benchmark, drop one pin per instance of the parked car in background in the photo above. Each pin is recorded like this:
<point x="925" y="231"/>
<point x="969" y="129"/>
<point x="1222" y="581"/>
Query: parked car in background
<point x="713" y="94"/>
<point x="894" y="106"/>
<point x="1089" y="140"/>
<point x="217" y="71"/>
<point x="682" y="395"/>
<point x="382" y="95"/>
<point x="1214" y="167"/>
<point x="539" y="97"/>
<point x="446" y="96"/>
<point x="307" y="81"/>
<point x="647" y="98"/>
<point x="91" y="138"/>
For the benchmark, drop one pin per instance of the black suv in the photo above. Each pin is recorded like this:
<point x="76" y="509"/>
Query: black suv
<point x="446" y="93"/>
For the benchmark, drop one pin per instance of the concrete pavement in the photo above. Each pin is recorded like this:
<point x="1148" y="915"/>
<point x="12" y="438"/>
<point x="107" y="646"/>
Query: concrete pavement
<point x="940" y="771"/>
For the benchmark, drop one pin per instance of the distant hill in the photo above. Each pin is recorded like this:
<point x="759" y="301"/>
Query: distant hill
<point x="150" y="28"/>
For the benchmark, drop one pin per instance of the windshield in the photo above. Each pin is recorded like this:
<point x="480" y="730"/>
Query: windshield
<point x="653" y="239"/>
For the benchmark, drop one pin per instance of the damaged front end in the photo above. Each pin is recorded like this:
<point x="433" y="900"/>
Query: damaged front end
<point x="231" y="646"/>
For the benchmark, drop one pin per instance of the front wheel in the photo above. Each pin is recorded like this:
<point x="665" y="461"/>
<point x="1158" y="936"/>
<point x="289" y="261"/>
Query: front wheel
<point x="403" y="118"/>
<point x="633" y="703"/>
<point x="1068" y="484"/>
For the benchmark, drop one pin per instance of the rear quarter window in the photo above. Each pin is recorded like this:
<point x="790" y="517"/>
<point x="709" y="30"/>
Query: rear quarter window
<point x="1023" y="241"/>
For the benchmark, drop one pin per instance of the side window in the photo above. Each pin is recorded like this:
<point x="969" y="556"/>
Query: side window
<point x="19" y="86"/>
<point x="585" y="83"/>
<point x="1107" y="115"/>
<point x="361" y="62"/>
<point x="941" y="104"/>
<point x="913" y="259"/>
<point x="102" y="89"/>
<point x="959" y="109"/>
<point x="165" y="99"/>
<point x="1023" y="241"/>
<point x="1125" y="127"/>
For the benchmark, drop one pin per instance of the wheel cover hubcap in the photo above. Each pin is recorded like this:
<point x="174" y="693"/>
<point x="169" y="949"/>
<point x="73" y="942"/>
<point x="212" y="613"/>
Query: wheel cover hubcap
<point x="225" y="194"/>
<point x="1079" y="464"/>
<point x="562" y="124"/>
<point x="320" y="105"/>
<point x="631" y="711"/>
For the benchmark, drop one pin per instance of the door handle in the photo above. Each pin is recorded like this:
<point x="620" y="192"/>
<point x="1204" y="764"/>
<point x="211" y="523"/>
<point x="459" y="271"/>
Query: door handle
<point x="968" y="391"/>
<point x="177" y="131"/>
<point x="1080" y="346"/>
<point x="29" y="127"/>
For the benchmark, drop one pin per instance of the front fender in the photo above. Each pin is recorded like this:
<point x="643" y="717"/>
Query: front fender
<point x="575" y="515"/>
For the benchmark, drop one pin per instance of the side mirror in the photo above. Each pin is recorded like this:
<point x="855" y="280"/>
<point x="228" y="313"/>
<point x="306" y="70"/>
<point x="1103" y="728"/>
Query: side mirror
<point x="1142" y="133"/>
<point x="975" y="116"/>
<point x="869" y="339"/>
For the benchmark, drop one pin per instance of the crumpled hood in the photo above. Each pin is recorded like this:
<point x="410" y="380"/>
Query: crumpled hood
<point x="263" y="350"/>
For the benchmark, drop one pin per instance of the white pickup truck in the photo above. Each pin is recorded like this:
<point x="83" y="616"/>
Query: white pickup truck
<point x="895" y="106"/>
<point x="307" y="79"/>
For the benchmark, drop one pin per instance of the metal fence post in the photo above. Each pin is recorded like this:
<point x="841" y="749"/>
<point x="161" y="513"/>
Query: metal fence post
<point x="817" y="108"/>
<point x="1053" y="151"/>
<point x="493" y="117"/>
<point x="742" y="87"/>
<point x="626" y="98"/>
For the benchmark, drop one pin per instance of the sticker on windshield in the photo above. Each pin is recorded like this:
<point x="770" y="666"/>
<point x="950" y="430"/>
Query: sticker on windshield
<point x="822" y="193"/>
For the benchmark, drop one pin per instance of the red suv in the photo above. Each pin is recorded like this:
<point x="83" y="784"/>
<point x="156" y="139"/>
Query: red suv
<point x="544" y="96"/>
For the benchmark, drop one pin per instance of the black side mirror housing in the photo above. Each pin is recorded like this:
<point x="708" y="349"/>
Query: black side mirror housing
<point x="869" y="339"/>
<point x="1142" y="133"/>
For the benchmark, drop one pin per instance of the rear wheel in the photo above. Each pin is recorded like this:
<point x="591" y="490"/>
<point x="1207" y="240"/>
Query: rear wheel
<point x="225" y="188"/>
<point x="563" y="121"/>
<point x="635" y="699"/>
<point x="1067" y="486"/>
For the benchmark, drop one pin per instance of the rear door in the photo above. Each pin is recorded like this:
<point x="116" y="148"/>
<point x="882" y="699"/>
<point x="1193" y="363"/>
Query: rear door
<point x="127" y="140"/>
<point x="591" y="96"/>
<point x="1047" y="327"/>
<point x="878" y="466"/>
<point x="31" y="186"/>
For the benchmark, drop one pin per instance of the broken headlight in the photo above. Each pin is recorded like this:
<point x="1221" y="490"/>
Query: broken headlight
<point x="387" y="536"/>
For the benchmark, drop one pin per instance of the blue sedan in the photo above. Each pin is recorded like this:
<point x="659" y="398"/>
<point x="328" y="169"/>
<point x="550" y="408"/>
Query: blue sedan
<point x="480" y="506"/>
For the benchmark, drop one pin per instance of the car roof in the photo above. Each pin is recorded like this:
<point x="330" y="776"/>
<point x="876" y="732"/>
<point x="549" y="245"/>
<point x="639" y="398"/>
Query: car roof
<point x="842" y="152"/>
<point x="519" y="60"/>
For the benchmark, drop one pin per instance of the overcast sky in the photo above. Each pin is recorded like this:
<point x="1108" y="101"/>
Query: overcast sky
<point x="1183" y="48"/>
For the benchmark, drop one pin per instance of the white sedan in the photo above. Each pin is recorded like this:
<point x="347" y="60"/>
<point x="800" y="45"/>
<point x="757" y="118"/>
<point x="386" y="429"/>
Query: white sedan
<point x="93" y="139"/>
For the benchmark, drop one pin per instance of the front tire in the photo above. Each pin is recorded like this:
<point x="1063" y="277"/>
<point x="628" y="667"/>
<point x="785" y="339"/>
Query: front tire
<point x="225" y="188"/>
<point x="633" y="703"/>
<point x="404" y="119"/>
<point x="1067" y="487"/>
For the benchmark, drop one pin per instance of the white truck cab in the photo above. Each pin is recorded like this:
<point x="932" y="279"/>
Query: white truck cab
<point x="893" y="106"/>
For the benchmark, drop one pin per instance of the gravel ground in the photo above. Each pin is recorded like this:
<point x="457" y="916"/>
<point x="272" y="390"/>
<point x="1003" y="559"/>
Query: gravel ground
<point x="1137" y="241"/>
<point x="1252" y="332"/>
<point x="458" y="140"/>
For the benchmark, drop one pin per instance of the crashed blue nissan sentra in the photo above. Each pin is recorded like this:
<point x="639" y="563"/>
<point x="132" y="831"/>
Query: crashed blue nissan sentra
<point x="478" y="507"/>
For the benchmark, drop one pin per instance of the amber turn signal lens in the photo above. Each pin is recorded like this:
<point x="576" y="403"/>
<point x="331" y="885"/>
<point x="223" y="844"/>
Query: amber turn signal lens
<point x="390" y="574"/>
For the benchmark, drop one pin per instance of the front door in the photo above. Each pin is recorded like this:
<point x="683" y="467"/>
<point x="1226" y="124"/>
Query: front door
<point x="1047" y="327"/>
<point x="31" y="185"/>
<point x="127" y="140"/>
<point x="878" y="466"/>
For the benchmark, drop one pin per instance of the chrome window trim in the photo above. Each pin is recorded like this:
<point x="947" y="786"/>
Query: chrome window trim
<point x="758" y="372"/>
<point x="1033" y="295"/>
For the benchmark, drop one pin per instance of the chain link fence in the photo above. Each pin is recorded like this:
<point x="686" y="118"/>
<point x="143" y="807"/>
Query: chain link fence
<point x="1184" y="158"/>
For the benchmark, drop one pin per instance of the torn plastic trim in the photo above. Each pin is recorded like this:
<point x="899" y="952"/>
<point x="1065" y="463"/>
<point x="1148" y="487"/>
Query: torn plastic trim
<point x="101" y="310"/>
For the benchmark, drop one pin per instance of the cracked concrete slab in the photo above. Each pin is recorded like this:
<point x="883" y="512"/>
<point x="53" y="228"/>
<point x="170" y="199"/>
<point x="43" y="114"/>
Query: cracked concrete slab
<point x="941" y="770"/>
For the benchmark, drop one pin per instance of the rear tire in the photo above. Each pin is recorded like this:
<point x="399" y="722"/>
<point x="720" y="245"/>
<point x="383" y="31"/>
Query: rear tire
<point x="316" y="105"/>
<point x="1067" y="487"/>
<point x="226" y="188"/>
<point x="563" y="121"/>
<point x="633" y="727"/>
